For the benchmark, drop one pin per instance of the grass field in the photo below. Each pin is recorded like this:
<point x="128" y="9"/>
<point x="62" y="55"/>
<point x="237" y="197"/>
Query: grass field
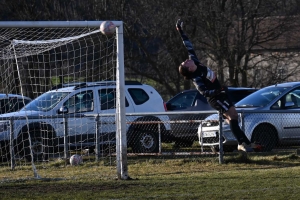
<point x="256" y="176"/>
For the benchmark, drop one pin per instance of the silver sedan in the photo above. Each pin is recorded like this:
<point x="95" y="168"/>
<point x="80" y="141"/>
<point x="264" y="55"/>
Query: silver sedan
<point x="270" y="116"/>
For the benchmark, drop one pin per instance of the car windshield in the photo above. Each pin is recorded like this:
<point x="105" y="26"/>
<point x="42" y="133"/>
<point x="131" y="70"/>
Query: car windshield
<point x="46" y="101"/>
<point x="261" y="97"/>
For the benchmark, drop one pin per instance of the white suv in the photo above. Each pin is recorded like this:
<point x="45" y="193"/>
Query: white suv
<point x="80" y="103"/>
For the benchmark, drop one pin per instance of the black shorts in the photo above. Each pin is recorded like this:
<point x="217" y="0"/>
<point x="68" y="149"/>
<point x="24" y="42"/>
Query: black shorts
<point x="220" y="102"/>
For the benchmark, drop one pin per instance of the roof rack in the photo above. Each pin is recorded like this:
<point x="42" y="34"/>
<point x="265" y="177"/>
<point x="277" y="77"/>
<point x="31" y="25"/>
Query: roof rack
<point x="90" y="84"/>
<point x="62" y="85"/>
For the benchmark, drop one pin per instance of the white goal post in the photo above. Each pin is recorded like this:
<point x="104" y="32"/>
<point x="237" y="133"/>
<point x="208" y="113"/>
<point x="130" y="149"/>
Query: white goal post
<point x="9" y="29"/>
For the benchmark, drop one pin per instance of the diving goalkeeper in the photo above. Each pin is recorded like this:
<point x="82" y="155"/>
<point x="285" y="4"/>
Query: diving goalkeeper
<point x="208" y="85"/>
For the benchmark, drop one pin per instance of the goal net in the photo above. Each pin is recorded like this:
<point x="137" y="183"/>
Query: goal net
<point x="37" y="57"/>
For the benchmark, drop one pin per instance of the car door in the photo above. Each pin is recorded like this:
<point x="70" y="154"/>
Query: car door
<point x="107" y="99"/>
<point x="290" y="121"/>
<point x="185" y="128"/>
<point x="81" y="128"/>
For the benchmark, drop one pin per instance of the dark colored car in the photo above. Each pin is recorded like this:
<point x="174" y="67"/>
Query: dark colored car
<point x="184" y="134"/>
<point x="12" y="102"/>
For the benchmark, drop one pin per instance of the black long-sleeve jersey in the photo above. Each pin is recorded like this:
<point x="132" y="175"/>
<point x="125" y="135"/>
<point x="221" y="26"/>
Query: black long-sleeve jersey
<point x="203" y="78"/>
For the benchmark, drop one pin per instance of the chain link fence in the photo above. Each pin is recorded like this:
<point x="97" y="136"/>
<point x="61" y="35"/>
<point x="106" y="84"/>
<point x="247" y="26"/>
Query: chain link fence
<point x="47" y="140"/>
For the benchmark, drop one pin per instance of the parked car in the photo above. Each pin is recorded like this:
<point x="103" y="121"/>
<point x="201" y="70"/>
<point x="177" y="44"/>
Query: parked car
<point x="192" y="100"/>
<point x="184" y="134"/>
<point x="12" y="102"/>
<point x="270" y="129"/>
<point x="77" y="100"/>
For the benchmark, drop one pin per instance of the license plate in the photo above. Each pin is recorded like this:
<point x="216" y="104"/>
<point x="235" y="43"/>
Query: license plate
<point x="209" y="134"/>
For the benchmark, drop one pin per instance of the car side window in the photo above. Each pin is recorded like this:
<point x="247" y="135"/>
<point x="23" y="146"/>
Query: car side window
<point x="80" y="102"/>
<point x="138" y="95"/>
<point x="4" y="106"/>
<point x="200" y="98"/>
<point x="17" y="104"/>
<point x="292" y="99"/>
<point x="183" y="100"/>
<point x="107" y="98"/>
<point x="12" y="104"/>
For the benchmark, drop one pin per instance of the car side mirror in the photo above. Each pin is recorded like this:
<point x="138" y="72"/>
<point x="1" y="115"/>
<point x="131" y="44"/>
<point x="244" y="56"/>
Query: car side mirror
<point x="289" y="104"/>
<point x="63" y="110"/>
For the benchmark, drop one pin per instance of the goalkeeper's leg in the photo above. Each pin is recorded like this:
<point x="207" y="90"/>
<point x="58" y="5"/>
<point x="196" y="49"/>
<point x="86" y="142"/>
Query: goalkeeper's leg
<point x="222" y="103"/>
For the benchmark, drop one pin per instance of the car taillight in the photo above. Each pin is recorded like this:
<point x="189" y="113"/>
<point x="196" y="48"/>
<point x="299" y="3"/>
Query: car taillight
<point x="165" y="106"/>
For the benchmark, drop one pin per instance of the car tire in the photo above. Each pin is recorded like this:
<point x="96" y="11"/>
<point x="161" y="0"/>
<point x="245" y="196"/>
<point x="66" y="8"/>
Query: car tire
<point x="41" y="144"/>
<point x="5" y="152"/>
<point x="266" y="135"/>
<point x="145" y="142"/>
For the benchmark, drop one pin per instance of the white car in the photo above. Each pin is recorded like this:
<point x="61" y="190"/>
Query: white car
<point x="272" y="118"/>
<point x="43" y="118"/>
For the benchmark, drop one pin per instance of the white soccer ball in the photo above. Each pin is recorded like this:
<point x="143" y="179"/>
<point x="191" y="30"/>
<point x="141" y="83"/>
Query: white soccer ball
<point x="75" y="160"/>
<point x="107" y="28"/>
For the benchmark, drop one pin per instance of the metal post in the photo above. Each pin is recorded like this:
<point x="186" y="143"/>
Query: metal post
<point x="97" y="146"/>
<point x="11" y="145"/>
<point x="65" y="122"/>
<point x="201" y="137"/>
<point x="122" y="167"/>
<point x="221" y="137"/>
<point x="159" y="138"/>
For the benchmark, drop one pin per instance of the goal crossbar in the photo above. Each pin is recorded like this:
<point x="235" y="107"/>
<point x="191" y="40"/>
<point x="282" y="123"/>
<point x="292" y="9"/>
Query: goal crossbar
<point x="55" y="24"/>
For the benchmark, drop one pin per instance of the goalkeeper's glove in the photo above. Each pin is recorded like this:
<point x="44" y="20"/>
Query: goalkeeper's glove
<point x="179" y="24"/>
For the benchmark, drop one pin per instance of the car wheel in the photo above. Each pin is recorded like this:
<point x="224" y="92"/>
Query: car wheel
<point x="145" y="142"/>
<point x="5" y="152"/>
<point x="40" y="145"/>
<point x="266" y="135"/>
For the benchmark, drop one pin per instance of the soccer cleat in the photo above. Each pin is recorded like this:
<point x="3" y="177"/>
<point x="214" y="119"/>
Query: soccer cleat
<point x="245" y="147"/>
<point x="257" y="146"/>
<point x="250" y="147"/>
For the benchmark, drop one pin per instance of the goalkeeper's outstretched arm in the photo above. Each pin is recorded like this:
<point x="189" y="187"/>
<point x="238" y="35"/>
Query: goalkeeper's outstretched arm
<point x="187" y="43"/>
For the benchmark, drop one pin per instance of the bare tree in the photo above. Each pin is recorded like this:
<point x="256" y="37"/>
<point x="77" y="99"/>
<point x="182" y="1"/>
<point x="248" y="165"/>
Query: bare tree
<point x="229" y="31"/>
<point x="237" y="38"/>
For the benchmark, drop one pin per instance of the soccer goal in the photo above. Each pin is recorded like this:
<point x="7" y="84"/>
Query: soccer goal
<point x="37" y="56"/>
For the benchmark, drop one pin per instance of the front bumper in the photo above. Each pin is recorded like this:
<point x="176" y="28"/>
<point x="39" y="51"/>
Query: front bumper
<point x="209" y="136"/>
